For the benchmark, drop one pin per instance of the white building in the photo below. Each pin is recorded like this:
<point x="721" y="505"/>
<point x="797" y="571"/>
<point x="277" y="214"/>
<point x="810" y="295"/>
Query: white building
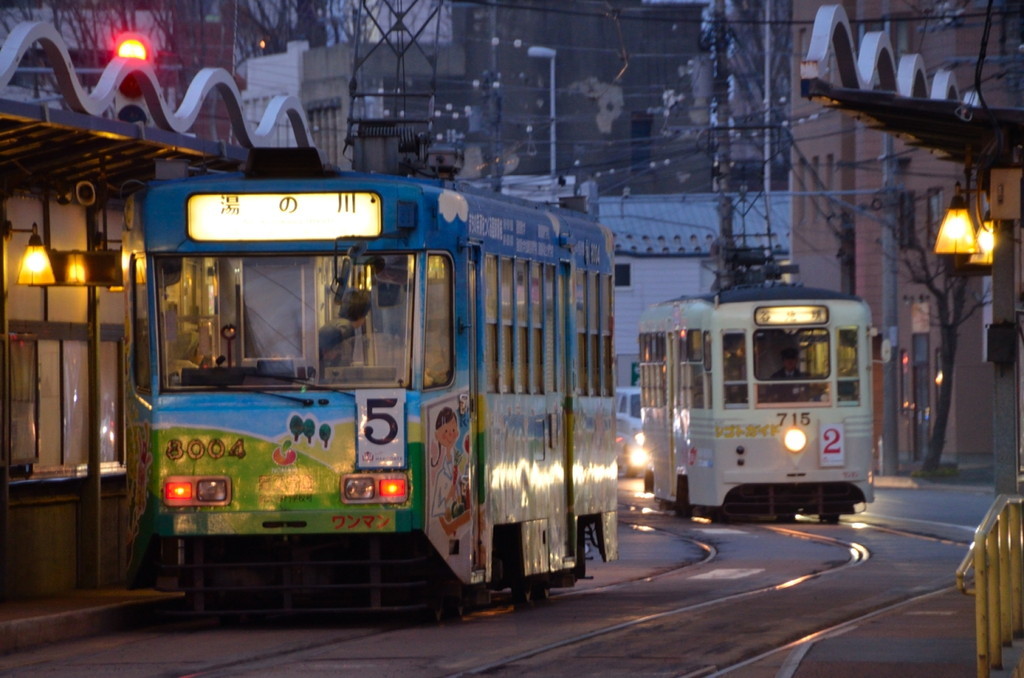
<point x="663" y="251"/>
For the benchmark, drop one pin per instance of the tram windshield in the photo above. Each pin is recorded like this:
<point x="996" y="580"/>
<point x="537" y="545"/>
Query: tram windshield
<point x="794" y="365"/>
<point x="269" y="321"/>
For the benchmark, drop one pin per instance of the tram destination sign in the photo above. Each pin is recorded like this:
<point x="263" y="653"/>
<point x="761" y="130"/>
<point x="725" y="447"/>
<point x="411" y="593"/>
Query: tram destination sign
<point x="791" y="315"/>
<point x="283" y="216"/>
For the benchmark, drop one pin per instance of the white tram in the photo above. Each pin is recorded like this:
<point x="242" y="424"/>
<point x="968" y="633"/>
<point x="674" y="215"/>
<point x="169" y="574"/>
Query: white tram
<point x="757" y="402"/>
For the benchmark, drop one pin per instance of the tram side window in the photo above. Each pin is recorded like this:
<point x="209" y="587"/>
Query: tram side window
<point x="734" y="370"/>
<point x="593" y="333"/>
<point x="505" y="344"/>
<point x="707" y="368"/>
<point x="553" y="358"/>
<point x="537" y="352"/>
<point x="141" y="367"/>
<point x="698" y="357"/>
<point x="848" y="385"/>
<point x="607" y="355"/>
<point x="437" y="353"/>
<point x="520" y="364"/>
<point x="563" y="352"/>
<point x="652" y="369"/>
<point x="684" y="383"/>
<point x="582" y="370"/>
<point x="491" y="309"/>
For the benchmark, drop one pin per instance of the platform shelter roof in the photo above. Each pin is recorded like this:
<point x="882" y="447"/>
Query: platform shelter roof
<point x="43" y="148"/>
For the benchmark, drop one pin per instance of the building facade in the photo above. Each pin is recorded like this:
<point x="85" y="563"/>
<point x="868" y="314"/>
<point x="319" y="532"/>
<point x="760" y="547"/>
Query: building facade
<point x="870" y="206"/>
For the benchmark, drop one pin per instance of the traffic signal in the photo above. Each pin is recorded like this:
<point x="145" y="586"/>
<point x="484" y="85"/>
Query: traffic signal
<point x="129" y="104"/>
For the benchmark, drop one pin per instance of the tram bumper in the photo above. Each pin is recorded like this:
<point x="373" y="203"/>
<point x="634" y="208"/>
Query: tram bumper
<point x="275" y="562"/>
<point x="774" y="499"/>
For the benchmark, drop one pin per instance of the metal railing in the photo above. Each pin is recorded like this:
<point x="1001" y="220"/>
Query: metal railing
<point x="996" y="558"/>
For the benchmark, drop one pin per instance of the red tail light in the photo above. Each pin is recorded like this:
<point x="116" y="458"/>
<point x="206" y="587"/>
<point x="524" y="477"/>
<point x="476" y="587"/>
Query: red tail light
<point x="178" y="490"/>
<point x="392" y="488"/>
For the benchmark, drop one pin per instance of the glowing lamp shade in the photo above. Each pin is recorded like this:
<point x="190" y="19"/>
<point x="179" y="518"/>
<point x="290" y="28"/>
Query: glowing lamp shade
<point x="986" y="243"/>
<point x="76" y="270"/>
<point x="35" y="265"/>
<point x="956" y="234"/>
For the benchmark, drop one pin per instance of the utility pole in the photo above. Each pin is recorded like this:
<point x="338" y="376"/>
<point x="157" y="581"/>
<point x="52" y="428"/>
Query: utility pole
<point x="768" y="116"/>
<point x="494" y="94"/>
<point x="890" y="314"/>
<point x="890" y="309"/>
<point x="722" y="152"/>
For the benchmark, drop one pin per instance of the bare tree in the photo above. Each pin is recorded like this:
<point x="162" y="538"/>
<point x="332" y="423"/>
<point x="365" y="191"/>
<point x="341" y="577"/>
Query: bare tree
<point x="955" y="301"/>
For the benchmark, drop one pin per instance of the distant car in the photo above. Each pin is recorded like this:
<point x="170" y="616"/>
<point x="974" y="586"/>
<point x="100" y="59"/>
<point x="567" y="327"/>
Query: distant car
<point x="634" y="459"/>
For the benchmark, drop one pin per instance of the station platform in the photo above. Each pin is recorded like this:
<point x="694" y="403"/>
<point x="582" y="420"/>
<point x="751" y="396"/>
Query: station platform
<point x="930" y="637"/>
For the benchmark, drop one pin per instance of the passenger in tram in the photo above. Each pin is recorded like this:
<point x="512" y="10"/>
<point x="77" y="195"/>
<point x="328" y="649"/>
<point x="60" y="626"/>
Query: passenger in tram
<point x="338" y="342"/>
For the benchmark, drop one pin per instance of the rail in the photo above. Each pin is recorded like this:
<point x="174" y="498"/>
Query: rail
<point x="996" y="558"/>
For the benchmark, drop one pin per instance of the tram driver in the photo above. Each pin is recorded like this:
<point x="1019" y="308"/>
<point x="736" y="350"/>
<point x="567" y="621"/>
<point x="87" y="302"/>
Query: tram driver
<point x="790" y="366"/>
<point x="790" y="369"/>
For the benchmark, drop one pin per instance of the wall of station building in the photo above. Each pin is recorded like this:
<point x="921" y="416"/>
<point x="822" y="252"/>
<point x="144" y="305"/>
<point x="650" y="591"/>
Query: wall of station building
<point x="47" y="383"/>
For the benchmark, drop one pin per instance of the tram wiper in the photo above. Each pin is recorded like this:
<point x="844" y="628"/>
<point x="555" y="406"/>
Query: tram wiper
<point x="312" y="386"/>
<point x="305" y="402"/>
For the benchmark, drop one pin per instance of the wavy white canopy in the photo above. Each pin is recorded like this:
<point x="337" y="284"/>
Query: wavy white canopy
<point x="874" y="67"/>
<point x="206" y="82"/>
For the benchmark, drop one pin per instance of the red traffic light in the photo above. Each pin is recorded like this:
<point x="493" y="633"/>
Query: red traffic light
<point x="132" y="46"/>
<point x="136" y="47"/>
<point x="132" y="49"/>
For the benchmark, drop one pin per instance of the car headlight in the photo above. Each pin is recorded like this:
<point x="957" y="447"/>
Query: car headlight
<point x="638" y="457"/>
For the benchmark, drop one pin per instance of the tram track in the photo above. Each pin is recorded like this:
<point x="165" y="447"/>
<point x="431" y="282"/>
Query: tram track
<point x="799" y="648"/>
<point x="302" y="650"/>
<point x="696" y="627"/>
<point x="857" y="554"/>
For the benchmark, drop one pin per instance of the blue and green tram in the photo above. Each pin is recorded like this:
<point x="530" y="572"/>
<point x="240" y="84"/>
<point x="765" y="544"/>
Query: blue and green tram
<point x="352" y="391"/>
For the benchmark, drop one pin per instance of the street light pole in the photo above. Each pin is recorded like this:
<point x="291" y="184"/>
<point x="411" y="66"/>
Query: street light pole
<point x="539" y="52"/>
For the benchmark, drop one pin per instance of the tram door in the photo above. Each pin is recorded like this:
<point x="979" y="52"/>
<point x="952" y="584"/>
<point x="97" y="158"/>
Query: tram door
<point x="454" y="497"/>
<point x="480" y="532"/>
<point x="567" y="369"/>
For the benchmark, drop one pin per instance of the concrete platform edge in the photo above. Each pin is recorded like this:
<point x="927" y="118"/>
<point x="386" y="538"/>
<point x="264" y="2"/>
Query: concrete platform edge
<point x="81" y="620"/>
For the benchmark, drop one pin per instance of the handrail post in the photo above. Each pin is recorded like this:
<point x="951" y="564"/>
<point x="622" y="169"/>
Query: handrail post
<point x="995" y="644"/>
<point x="1005" y="580"/>
<point x="981" y="604"/>
<point x="1016" y="569"/>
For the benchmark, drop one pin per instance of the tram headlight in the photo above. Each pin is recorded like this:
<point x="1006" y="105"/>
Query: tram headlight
<point x="212" y="489"/>
<point x="795" y="440"/>
<point x="359" y="488"/>
<point x="640" y="438"/>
